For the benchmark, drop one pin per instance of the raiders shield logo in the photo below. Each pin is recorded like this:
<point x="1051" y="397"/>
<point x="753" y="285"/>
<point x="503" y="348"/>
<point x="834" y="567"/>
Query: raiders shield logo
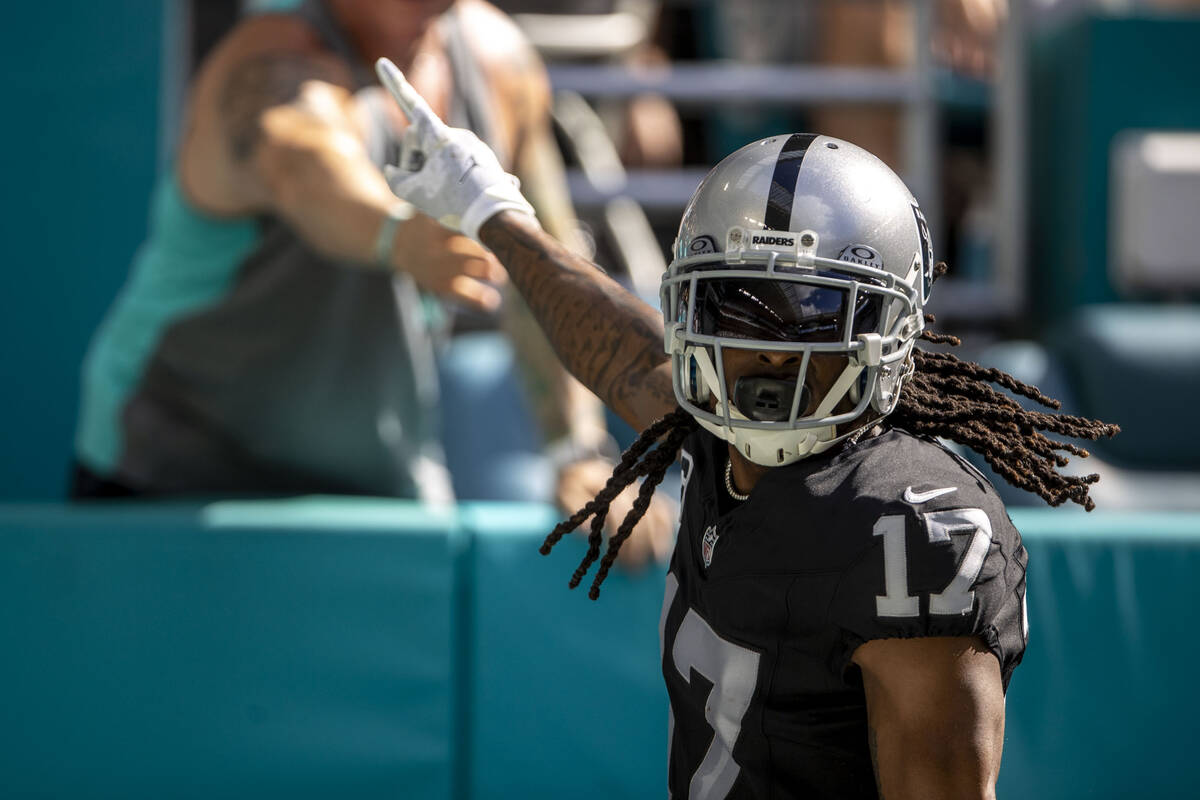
<point x="706" y="547"/>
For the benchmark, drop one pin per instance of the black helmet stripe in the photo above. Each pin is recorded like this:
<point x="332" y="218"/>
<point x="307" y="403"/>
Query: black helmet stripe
<point x="783" y="182"/>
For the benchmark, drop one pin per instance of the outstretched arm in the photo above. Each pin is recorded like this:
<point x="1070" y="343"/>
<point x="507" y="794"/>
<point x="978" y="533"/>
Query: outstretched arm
<point x="606" y="337"/>
<point x="609" y="339"/>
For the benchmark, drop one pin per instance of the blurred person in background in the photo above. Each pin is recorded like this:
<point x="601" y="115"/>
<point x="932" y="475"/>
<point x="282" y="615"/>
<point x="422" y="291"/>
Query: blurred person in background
<point x="880" y="34"/>
<point x="273" y="337"/>
<point x="964" y="40"/>
<point x="850" y="33"/>
<point x="875" y="34"/>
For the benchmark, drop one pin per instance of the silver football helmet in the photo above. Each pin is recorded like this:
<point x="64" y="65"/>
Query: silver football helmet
<point x="804" y="244"/>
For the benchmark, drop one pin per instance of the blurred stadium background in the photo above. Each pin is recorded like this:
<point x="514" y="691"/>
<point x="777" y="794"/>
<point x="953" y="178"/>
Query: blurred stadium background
<point x="320" y="647"/>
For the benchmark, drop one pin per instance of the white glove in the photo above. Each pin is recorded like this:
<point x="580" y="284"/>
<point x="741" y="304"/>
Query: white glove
<point x="448" y="173"/>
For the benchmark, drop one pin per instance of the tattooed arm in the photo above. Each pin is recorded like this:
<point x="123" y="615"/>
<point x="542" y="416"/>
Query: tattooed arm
<point x="935" y="711"/>
<point x="610" y="340"/>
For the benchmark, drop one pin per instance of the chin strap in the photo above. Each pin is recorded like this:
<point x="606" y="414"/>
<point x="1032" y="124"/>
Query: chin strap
<point x="707" y="371"/>
<point x="838" y="390"/>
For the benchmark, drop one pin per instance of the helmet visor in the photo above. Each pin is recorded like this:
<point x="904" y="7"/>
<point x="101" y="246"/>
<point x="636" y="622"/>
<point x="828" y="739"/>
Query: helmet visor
<point x="780" y="310"/>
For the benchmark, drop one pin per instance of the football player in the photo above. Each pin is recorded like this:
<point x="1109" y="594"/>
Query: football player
<point x="846" y="601"/>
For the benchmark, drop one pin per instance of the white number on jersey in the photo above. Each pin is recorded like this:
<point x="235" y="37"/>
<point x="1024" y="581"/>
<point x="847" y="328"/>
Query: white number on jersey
<point x="957" y="597"/>
<point x="733" y="671"/>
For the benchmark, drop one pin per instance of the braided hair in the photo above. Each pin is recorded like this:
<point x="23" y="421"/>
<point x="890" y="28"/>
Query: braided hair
<point x="638" y="461"/>
<point x="944" y="396"/>
<point x="950" y="398"/>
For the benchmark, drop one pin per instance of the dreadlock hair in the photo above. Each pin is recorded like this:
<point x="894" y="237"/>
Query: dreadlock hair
<point x="638" y="461"/>
<point x="943" y="396"/>
<point x="951" y="398"/>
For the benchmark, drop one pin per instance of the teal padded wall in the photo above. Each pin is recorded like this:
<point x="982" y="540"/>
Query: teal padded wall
<point x="1105" y="702"/>
<point x="1089" y="80"/>
<point x="565" y="694"/>
<point x="81" y="82"/>
<point x="226" y="653"/>
<point x="567" y="699"/>
<point x="318" y="648"/>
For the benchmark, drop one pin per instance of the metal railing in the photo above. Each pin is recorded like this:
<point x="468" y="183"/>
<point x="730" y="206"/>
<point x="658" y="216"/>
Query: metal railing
<point x="920" y="91"/>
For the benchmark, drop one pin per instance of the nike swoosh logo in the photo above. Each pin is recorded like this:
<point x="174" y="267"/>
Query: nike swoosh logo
<point x="922" y="497"/>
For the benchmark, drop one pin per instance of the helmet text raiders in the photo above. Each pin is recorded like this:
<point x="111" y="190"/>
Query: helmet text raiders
<point x="804" y="244"/>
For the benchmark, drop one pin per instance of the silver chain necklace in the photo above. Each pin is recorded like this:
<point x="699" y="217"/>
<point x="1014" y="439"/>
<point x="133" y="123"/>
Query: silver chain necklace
<point x="729" y="483"/>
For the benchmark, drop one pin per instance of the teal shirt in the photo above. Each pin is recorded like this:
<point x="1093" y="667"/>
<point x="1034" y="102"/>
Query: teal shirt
<point x="238" y="361"/>
<point x="188" y="263"/>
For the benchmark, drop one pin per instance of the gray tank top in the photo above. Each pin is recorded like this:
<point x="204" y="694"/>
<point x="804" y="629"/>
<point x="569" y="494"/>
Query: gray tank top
<point x="305" y="375"/>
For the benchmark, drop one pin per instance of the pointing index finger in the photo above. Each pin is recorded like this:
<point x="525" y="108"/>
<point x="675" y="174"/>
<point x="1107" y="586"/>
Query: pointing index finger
<point x="410" y="102"/>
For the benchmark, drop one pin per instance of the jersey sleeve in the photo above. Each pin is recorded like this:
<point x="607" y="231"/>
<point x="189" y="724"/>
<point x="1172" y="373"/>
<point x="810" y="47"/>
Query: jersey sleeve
<point x="951" y="567"/>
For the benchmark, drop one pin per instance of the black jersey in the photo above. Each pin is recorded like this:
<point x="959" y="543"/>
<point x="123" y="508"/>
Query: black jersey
<point x="767" y="600"/>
